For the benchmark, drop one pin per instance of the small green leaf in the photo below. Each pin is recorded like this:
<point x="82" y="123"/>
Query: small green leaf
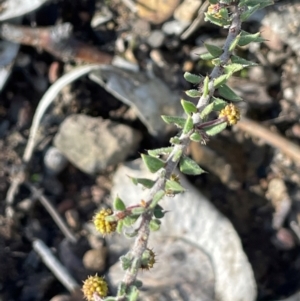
<point x="126" y="264"/>
<point x="147" y="183"/>
<point x="221" y="80"/>
<point x="177" y="120"/>
<point x="224" y="13"/>
<point x="190" y="167"/>
<point x="130" y="220"/>
<point x="262" y="3"/>
<point x="232" y="68"/>
<point x="158" y="212"/>
<point x="111" y="218"/>
<point x="196" y="137"/>
<point x="175" y="140"/>
<point x="157" y="197"/>
<point x="177" y="155"/>
<point x="133" y="294"/>
<point x="206" y="56"/>
<point x="189" y="125"/>
<point x="192" y="78"/>
<point x="193" y="93"/>
<point x="218" y="104"/>
<point x="119" y="204"/>
<point x="120" y="226"/>
<point x="215" y="51"/>
<point x="153" y="164"/>
<point x="234" y="43"/>
<point x="160" y="151"/>
<point x="238" y="60"/>
<point x="138" y="210"/>
<point x="213" y="1"/>
<point x="138" y="283"/>
<point x="215" y="129"/>
<point x="205" y="86"/>
<point x="154" y="225"/>
<point x="207" y="110"/>
<point x="247" y="38"/>
<point x="216" y="62"/>
<point x="174" y="186"/>
<point x="188" y="106"/>
<point x="228" y="93"/>
<point x="246" y="14"/>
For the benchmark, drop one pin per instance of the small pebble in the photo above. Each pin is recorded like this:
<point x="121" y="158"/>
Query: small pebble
<point x="54" y="161"/>
<point x="156" y="39"/>
<point x="95" y="259"/>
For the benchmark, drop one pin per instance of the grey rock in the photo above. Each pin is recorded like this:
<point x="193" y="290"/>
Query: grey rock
<point x="93" y="144"/>
<point x="156" y="39"/>
<point x="194" y="222"/>
<point x="174" y="27"/>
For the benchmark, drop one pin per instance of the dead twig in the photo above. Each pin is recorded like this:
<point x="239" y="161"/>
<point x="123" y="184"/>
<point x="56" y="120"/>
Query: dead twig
<point x="257" y="130"/>
<point x="60" y="272"/>
<point x="53" y="212"/>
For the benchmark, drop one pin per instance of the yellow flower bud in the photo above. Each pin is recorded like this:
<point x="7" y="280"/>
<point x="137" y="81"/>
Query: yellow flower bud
<point x="94" y="285"/>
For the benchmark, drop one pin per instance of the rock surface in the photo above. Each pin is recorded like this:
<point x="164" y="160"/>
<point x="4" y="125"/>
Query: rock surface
<point x="206" y="244"/>
<point x="93" y="144"/>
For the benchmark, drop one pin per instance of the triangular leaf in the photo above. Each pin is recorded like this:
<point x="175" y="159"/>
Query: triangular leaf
<point x="192" y="78"/>
<point x="206" y="56"/>
<point x="119" y="204"/>
<point x="231" y="68"/>
<point x="174" y="186"/>
<point x="228" y="93"/>
<point x="147" y="183"/>
<point x="153" y="164"/>
<point x="238" y="60"/>
<point x="157" y="197"/>
<point x="188" y="106"/>
<point x="221" y="80"/>
<point x="215" y="51"/>
<point x="160" y="151"/>
<point x="234" y="43"/>
<point x="215" y="129"/>
<point x="158" y="212"/>
<point x="196" y="137"/>
<point x="218" y="104"/>
<point x="193" y="93"/>
<point x="177" y="120"/>
<point x="246" y="14"/>
<point x="190" y="167"/>
<point x="247" y="38"/>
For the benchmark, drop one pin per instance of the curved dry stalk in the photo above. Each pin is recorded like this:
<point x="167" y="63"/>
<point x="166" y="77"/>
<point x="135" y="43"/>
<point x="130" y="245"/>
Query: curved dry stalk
<point x="41" y="109"/>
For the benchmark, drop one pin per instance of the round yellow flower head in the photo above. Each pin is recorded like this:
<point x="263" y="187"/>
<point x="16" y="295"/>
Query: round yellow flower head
<point x="232" y="113"/>
<point x="94" y="285"/>
<point x="101" y="224"/>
